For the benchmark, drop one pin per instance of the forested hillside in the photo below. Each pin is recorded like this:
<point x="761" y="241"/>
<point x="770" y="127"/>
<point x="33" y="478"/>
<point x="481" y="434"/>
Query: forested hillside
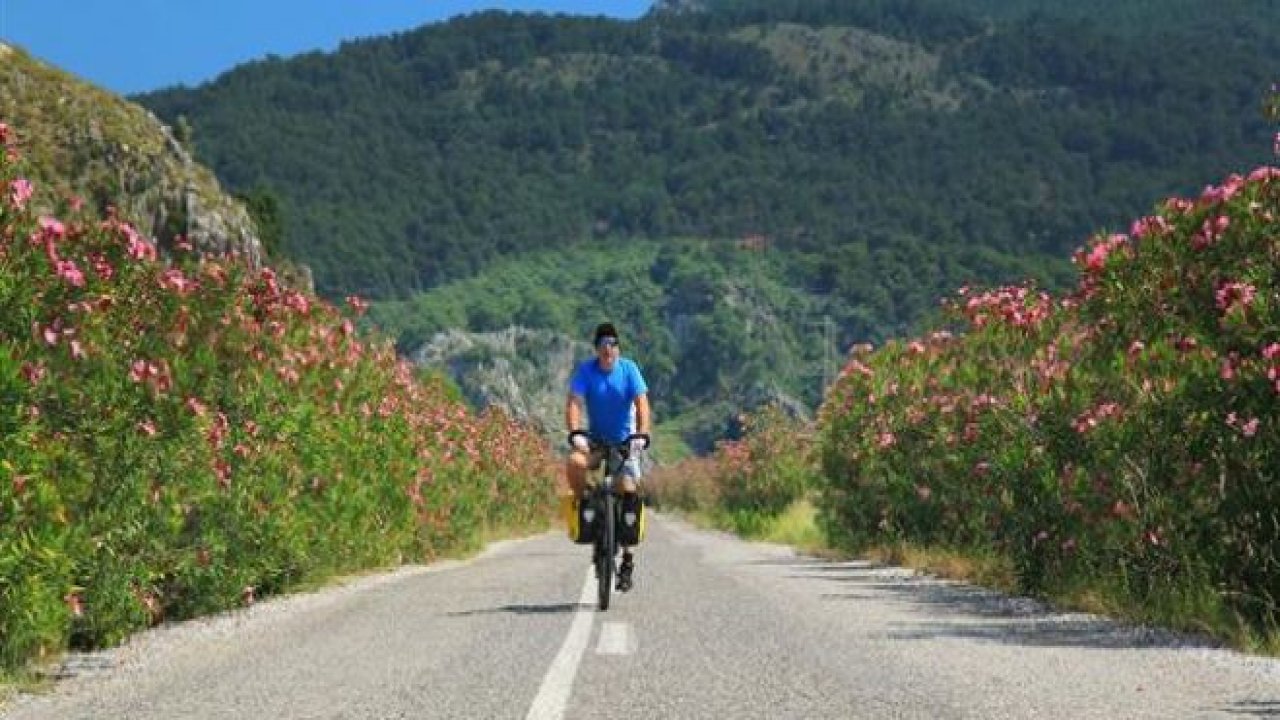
<point x="877" y="153"/>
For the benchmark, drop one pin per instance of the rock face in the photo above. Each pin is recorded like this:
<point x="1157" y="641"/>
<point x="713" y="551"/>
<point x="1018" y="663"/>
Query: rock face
<point x="679" y="6"/>
<point x="81" y="141"/>
<point x="523" y="371"/>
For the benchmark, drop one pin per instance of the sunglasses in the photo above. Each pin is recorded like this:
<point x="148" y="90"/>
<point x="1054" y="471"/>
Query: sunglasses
<point x="606" y="342"/>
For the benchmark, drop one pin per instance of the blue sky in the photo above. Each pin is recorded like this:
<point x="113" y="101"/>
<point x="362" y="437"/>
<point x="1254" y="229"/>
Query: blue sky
<point x="129" y="46"/>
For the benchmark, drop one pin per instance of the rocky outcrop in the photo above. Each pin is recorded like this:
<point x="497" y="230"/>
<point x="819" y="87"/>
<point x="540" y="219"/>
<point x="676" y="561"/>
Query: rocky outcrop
<point x="82" y="141"/>
<point x="525" y="372"/>
<point x="679" y="6"/>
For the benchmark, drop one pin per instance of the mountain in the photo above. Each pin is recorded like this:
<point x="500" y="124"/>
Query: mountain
<point x="408" y="160"/>
<point x="877" y="154"/>
<point x="81" y="141"/>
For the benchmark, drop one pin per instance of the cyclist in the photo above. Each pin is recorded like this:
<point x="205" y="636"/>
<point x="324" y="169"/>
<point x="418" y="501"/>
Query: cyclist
<point x="616" y="401"/>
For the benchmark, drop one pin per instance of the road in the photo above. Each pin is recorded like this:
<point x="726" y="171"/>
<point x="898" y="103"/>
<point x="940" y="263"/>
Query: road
<point x="715" y="627"/>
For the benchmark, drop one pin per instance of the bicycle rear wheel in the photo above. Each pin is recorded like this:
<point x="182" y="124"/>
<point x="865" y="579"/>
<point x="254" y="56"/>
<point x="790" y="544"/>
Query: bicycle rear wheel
<point x="606" y="549"/>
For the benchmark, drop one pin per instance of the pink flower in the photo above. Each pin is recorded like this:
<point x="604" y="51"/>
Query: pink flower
<point x="173" y="279"/>
<point x="196" y="407"/>
<point x="1225" y="192"/>
<point x="33" y="373"/>
<point x="1090" y="419"/>
<point x="138" y="248"/>
<point x="855" y="366"/>
<point x="141" y="371"/>
<point x="70" y="273"/>
<point x="297" y="302"/>
<point x="1231" y="295"/>
<point x="20" y="191"/>
<point x="148" y="428"/>
<point x="1096" y="258"/>
<point x="1210" y="232"/>
<point x="77" y="350"/>
<point x="1250" y="428"/>
<point x="1147" y="226"/>
<point x="1264" y="174"/>
<point x="358" y="305"/>
<point x="222" y="469"/>
<point x="52" y="228"/>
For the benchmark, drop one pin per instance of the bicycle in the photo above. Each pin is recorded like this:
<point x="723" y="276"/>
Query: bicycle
<point x="604" y="501"/>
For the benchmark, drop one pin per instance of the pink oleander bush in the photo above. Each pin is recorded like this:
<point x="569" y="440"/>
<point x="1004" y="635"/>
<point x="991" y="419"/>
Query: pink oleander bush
<point x="1127" y="433"/>
<point x="184" y="434"/>
<point x="747" y="482"/>
<point x="765" y="471"/>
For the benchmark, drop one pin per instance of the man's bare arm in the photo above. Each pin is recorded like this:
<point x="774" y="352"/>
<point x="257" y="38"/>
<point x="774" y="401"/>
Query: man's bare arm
<point x="644" y="423"/>
<point x="573" y="412"/>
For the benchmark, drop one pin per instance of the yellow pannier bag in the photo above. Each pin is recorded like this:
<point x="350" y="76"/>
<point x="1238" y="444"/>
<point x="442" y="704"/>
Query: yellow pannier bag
<point x="580" y="521"/>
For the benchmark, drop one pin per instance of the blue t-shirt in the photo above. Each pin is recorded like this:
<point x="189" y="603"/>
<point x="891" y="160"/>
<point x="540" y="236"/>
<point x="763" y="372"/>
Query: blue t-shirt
<point x="609" y="396"/>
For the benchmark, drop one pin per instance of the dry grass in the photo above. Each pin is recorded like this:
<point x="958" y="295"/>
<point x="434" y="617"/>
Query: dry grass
<point x="989" y="571"/>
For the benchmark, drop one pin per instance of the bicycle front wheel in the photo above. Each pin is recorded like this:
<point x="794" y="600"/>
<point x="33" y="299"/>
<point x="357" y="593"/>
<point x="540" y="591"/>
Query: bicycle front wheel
<point x="607" y="549"/>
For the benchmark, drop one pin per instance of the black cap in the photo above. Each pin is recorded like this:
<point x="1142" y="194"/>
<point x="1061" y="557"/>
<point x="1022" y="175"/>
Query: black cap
<point x="605" y="330"/>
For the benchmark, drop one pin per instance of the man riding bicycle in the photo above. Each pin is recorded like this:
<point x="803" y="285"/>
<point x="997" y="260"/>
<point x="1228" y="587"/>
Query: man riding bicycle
<point x="615" y="397"/>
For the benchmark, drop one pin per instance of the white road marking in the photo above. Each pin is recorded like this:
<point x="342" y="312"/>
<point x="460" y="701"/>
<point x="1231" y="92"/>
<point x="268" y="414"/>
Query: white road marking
<point x="616" y="638"/>
<point x="553" y="696"/>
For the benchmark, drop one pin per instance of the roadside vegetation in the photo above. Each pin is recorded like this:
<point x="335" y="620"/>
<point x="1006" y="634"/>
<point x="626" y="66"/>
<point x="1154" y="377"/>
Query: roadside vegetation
<point x="761" y="485"/>
<point x="1116" y="446"/>
<point x="183" y="435"/>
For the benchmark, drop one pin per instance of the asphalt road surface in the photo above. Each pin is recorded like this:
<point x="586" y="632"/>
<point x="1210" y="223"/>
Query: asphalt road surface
<point x="715" y="628"/>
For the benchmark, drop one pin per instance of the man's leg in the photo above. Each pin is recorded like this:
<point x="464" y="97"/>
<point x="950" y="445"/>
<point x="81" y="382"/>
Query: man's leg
<point x="628" y="565"/>
<point x="575" y="474"/>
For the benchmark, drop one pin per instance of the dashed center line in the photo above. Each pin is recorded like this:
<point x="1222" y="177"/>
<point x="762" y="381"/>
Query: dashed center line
<point x="616" y="638"/>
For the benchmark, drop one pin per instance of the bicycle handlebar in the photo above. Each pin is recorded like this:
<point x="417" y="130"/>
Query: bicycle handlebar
<point x="625" y="445"/>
